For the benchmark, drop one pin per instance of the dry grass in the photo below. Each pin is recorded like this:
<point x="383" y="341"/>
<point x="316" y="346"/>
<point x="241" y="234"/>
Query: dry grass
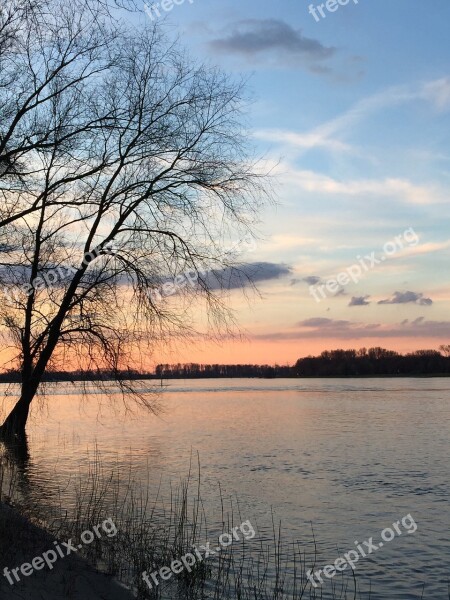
<point x="153" y="532"/>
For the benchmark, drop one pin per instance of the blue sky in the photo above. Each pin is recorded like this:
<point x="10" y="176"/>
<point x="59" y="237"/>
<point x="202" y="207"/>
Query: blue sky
<point x="355" y="112"/>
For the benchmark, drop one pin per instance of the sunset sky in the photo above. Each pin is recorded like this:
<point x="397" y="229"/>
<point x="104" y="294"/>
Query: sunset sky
<point x="354" y="111"/>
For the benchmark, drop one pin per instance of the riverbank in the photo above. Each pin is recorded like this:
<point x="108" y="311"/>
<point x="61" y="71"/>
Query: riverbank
<point x="71" y="578"/>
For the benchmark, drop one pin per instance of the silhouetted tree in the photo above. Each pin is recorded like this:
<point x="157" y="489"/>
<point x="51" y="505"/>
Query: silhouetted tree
<point x="375" y="361"/>
<point x="139" y="172"/>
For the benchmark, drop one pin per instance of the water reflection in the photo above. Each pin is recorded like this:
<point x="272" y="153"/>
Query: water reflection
<point x="352" y="457"/>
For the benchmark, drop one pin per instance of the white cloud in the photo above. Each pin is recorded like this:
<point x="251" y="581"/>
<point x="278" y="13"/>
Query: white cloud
<point x="428" y="248"/>
<point x="307" y="141"/>
<point x="436" y="92"/>
<point x="402" y="189"/>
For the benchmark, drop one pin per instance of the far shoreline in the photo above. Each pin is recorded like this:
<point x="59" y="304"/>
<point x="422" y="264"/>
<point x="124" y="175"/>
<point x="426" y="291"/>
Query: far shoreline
<point x="330" y="364"/>
<point x="301" y="377"/>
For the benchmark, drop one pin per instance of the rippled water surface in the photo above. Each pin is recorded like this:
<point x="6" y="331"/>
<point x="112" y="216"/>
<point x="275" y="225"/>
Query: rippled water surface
<point x="349" y="456"/>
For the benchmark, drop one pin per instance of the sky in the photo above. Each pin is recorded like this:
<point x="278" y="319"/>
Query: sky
<point x="352" y="110"/>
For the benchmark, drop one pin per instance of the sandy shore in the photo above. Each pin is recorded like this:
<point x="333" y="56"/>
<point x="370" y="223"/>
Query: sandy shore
<point x="71" y="578"/>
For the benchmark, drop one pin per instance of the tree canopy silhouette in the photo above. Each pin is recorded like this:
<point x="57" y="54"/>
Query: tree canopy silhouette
<point x="125" y="164"/>
<point x="374" y="361"/>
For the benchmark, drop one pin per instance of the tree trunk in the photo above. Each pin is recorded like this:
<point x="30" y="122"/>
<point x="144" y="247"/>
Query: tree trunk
<point x="15" y="422"/>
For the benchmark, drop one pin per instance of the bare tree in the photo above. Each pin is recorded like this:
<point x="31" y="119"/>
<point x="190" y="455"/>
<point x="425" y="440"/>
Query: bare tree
<point x="162" y="178"/>
<point x="50" y="50"/>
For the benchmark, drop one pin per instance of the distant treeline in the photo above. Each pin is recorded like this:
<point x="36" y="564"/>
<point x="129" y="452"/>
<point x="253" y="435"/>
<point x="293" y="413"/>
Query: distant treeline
<point x="12" y="376"/>
<point x="331" y="363"/>
<point x="375" y="361"/>
<point x="199" y="371"/>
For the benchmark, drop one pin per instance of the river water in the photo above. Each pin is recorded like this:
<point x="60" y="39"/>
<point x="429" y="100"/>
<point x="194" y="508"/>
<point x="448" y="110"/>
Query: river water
<point x="349" y="457"/>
